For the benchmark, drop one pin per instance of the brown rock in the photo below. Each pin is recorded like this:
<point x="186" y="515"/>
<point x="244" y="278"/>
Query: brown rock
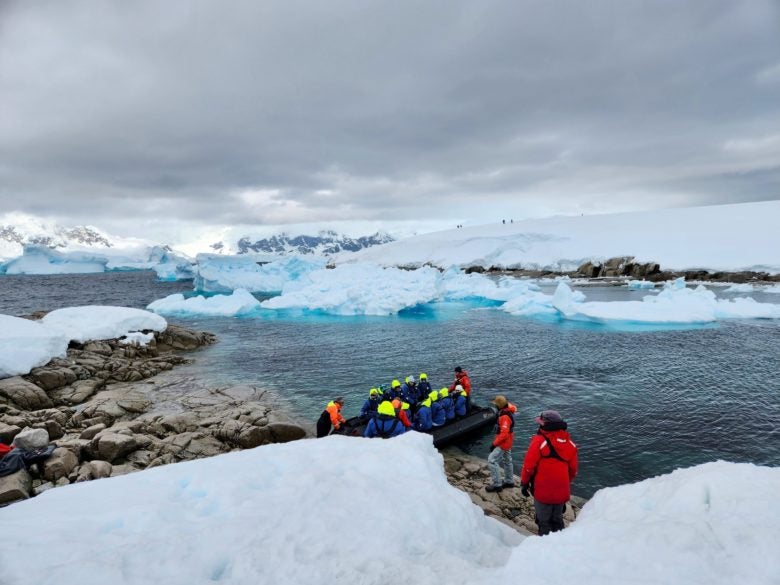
<point x="285" y="432"/>
<point x="23" y="394"/>
<point x="50" y="378"/>
<point x="15" y="487"/>
<point x="61" y="463"/>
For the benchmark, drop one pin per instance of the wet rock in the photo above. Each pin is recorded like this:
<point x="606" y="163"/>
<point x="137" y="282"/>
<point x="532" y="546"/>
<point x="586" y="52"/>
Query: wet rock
<point x="15" y="487"/>
<point x="183" y="339"/>
<point x="61" y="463"/>
<point x="285" y="432"/>
<point x="23" y="394"/>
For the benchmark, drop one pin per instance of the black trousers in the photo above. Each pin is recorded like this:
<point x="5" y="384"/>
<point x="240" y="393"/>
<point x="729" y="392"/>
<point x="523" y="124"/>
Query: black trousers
<point x="549" y="517"/>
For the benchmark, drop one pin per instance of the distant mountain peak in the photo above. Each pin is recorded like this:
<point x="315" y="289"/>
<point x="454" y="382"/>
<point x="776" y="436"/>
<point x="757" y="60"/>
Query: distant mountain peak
<point x="325" y="243"/>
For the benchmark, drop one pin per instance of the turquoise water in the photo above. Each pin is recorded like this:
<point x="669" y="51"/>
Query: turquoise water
<point x="639" y="403"/>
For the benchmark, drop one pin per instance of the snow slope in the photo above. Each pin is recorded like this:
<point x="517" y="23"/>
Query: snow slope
<point x="723" y="237"/>
<point x="358" y="511"/>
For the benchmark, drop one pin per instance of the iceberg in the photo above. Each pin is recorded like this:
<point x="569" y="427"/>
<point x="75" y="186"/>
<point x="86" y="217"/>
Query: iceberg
<point x="740" y="288"/>
<point x="774" y="289"/>
<point x="241" y="302"/>
<point x="359" y="289"/>
<point x="224" y="274"/>
<point x="157" y="526"/>
<point x="640" y="285"/>
<point x="168" y="265"/>
<point x="43" y="260"/>
<point x="676" y="304"/>
<point x="26" y="344"/>
<point x="94" y="322"/>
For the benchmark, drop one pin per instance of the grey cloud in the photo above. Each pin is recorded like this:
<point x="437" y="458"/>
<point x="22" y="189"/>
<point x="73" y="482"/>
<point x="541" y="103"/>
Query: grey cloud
<point x="398" y="108"/>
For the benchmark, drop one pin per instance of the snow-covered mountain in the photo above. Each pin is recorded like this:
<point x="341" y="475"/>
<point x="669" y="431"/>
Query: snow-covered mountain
<point x="323" y="244"/>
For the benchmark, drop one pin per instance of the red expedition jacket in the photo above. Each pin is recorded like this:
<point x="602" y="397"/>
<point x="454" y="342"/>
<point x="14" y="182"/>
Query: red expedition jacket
<point x="551" y="477"/>
<point x="462" y="378"/>
<point x="505" y="434"/>
<point x="5" y="449"/>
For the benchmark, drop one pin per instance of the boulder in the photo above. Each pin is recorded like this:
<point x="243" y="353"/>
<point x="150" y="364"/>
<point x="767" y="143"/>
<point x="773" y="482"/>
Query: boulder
<point x="241" y="434"/>
<point x="187" y="446"/>
<point x="93" y="470"/>
<point x="61" y="463"/>
<point x="183" y="339"/>
<point x="15" y="487"/>
<point x="99" y="347"/>
<point x="23" y="394"/>
<point x="285" y="432"/>
<point x="90" y="432"/>
<point x="31" y="439"/>
<point x="50" y="378"/>
<point x="110" y="446"/>
<point x="52" y="428"/>
<point x="8" y="432"/>
<point x="77" y="392"/>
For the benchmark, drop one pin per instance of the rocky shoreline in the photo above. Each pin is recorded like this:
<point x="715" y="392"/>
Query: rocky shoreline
<point x="106" y="416"/>
<point x="625" y="267"/>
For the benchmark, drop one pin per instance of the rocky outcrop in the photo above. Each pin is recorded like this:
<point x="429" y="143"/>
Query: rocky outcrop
<point x="509" y="506"/>
<point x="104" y="423"/>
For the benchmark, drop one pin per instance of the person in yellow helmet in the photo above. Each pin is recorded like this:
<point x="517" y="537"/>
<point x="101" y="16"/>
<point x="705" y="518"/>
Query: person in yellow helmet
<point x="385" y="424"/>
<point x="395" y="391"/>
<point x="438" y="415"/>
<point x="331" y="417"/>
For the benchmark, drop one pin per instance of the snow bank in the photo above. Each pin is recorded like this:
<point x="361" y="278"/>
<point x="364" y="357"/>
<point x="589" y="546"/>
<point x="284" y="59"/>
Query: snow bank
<point x="137" y="338"/>
<point x="338" y="510"/>
<point x="359" y="289"/>
<point x="712" y="524"/>
<point x="241" y="302"/>
<point x="691" y="238"/>
<point x="215" y="273"/>
<point x="26" y="344"/>
<point x="674" y="304"/>
<point x="94" y="322"/>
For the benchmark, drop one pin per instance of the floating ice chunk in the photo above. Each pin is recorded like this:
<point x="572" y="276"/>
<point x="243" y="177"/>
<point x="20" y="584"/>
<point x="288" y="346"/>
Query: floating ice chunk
<point x="94" y="322"/>
<point x="359" y="289"/>
<point x="137" y="338"/>
<point x="672" y="305"/>
<point x="455" y="284"/>
<point x="640" y="285"/>
<point x="775" y="289"/>
<point x="217" y="273"/>
<point x="240" y="302"/>
<point x="43" y="260"/>
<point x="26" y="344"/>
<point x="740" y="288"/>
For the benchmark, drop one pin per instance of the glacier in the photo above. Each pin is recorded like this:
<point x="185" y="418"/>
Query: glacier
<point x="224" y="274"/>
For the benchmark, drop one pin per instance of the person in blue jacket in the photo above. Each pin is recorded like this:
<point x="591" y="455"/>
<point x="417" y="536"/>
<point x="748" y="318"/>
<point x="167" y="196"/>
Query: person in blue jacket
<point x="371" y="404"/>
<point x="385" y="424"/>
<point x="437" y="412"/>
<point x="409" y="391"/>
<point x="424" y="386"/>
<point x="461" y="404"/>
<point x="447" y="404"/>
<point x="422" y="418"/>
<point x="394" y="392"/>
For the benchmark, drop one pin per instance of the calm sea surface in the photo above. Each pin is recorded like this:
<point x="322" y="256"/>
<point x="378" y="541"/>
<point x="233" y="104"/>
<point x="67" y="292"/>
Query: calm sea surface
<point x="638" y="403"/>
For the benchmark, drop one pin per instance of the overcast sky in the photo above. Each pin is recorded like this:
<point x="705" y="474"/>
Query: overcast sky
<point x="154" y="117"/>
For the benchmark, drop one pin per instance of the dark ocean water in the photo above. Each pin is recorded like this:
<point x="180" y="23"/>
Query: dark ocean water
<point x="638" y="403"/>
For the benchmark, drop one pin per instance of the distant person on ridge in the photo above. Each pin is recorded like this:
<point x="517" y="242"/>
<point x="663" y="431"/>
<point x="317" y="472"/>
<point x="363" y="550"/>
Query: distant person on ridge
<point x="501" y="448"/>
<point x="330" y="417"/>
<point x="462" y="379"/>
<point x="385" y="424"/>
<point x="549" y="467"/>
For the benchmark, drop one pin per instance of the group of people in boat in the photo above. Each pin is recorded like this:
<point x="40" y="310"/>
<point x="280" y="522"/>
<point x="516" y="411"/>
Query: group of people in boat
<point x="411" y="405"/>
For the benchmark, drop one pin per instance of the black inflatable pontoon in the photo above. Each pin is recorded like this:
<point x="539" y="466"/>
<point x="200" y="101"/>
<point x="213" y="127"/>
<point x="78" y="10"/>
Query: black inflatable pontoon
<point x="477" y="418"/>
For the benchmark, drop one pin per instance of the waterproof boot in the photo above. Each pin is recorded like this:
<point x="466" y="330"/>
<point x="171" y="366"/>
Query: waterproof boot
<point x="494" y="488"/>
<point x="507" y="485"/>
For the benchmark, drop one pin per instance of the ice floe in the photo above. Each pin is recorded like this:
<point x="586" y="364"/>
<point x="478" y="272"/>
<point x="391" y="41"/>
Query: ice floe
<point x="240" y="302"/>
<point x="216" y="273"/>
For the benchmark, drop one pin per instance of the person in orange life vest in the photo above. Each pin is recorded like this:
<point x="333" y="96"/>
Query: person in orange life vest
<point x="501" y="448"/>
<point x="401" y="411"/>
<point x="330" y="417"/>
<point x="549" y="467"/>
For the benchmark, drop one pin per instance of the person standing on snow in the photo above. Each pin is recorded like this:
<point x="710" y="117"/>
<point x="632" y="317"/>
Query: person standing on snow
<point x="501" y="448"/>
<point x="549" y="467"/>
<point x="330" y="417"/>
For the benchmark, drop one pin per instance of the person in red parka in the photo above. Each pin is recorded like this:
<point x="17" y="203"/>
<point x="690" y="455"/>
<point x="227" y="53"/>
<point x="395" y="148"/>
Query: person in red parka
<point x="462" y="380"/>
<point x="549" y="467"/>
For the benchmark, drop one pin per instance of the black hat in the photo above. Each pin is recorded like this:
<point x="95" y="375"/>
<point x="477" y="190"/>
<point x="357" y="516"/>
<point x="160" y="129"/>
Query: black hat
<point x="458" y="369"/>
<point x="549" y="416"/>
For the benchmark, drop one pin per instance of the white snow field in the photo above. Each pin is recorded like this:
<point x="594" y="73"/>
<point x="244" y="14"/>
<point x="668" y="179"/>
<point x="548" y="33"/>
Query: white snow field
<point x="26" y="344"/>
<point x="721" y="237"/>
<point x="359" y="511"/>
